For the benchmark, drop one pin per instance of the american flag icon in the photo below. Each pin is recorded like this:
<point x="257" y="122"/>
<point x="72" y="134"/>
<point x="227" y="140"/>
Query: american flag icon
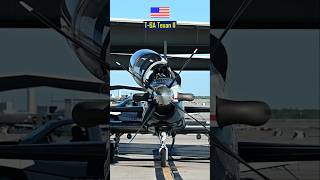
<point x="160" y="12"/>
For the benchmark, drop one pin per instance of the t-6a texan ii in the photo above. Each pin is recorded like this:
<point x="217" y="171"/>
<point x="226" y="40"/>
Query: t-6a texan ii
<point x="102" y="45"/>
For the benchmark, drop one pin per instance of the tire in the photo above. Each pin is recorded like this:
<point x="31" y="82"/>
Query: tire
<point x="163" y="159"/>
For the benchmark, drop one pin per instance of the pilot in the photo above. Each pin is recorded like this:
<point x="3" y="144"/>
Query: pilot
<point x="77" y="134"/>
<point x="160" y="71"/>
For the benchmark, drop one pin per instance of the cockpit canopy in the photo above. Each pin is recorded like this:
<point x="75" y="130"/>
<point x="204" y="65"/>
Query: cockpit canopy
<point x="145" y="63"/>
<point x="87" y="21"/>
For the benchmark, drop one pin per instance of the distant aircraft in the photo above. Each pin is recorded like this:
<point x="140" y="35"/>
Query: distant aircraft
<point x="86" y="26"/>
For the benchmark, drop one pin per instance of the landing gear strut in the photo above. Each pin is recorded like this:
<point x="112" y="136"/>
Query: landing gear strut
<point x="117" y="137"/>
<point x="163" y="150"/>
<point x="117" y="140"/>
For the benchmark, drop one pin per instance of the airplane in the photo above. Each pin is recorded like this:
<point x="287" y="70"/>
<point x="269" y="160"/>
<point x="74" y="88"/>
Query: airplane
<point x="163" y="112"/>
<point x="92" y="50"/>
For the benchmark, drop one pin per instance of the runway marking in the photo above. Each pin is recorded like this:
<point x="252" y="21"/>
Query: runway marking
<point x="167" y="173"/>
<point x="174" y="171"/>
<point x="157" y="166"/>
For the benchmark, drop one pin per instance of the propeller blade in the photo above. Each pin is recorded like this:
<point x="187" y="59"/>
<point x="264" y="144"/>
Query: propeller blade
<point x="28" y="81"/>
<point x="116" y="87"/>
<point x="184" y="66"/>
<point x="124" y="68"/>
<point x="217" y="143"/>
<point x="178" y="107"/>
<point x="187" y="62"/>
<point x="165" y="50"/>
<point x="218" y="54"/>
<point x="234" y="19"/>
<point x="147" y="117"/>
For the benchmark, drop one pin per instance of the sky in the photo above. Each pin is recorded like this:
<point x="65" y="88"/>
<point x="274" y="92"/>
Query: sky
<point x="180" y="10"/>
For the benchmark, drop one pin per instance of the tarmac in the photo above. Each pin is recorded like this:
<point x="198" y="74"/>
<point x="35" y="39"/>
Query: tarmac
<point x="138" y="160"/>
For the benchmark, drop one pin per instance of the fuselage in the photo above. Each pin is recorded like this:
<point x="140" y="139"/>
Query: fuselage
<point x="150" y="70"/>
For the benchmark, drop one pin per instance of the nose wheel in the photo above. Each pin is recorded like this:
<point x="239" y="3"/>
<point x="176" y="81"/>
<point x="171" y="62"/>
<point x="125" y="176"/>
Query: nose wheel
<point x="163" y="150"/>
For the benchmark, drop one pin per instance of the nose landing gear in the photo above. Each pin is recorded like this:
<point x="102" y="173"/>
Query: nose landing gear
<point x="163" y="150"/>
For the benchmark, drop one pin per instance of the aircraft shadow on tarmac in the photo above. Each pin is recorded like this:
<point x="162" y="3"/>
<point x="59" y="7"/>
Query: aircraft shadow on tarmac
<point x="183" y="152"/>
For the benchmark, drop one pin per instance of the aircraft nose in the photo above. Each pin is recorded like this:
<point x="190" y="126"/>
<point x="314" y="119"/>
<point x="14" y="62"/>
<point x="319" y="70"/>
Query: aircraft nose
<point x="163" y="95"/>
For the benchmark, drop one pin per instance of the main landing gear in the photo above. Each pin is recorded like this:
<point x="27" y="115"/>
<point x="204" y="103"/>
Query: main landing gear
<point x="163" y="150"/>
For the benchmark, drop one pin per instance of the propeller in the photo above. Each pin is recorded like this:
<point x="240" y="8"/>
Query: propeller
<point x="216" y="142"/>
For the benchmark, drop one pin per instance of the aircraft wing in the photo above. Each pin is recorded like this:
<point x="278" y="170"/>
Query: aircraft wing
<point x="182" y="40"/>
<point x="79" y="151"/>
<point x="73" y="151"/>
<point x="266" y="152"/>
<point x="132" y="125"/>
<point x="29" y="81"/>
<point x="86" y="85"/>
<point x="188" y="109"/>
<point x="175" y="63"/>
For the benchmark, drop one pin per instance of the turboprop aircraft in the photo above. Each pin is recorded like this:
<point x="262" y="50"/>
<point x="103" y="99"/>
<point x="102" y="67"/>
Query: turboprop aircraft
<point x="85" y="24"/>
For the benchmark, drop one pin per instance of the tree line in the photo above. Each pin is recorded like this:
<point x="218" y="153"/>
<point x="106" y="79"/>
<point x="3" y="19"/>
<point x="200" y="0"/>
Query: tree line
<point x="296" y="113"/>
